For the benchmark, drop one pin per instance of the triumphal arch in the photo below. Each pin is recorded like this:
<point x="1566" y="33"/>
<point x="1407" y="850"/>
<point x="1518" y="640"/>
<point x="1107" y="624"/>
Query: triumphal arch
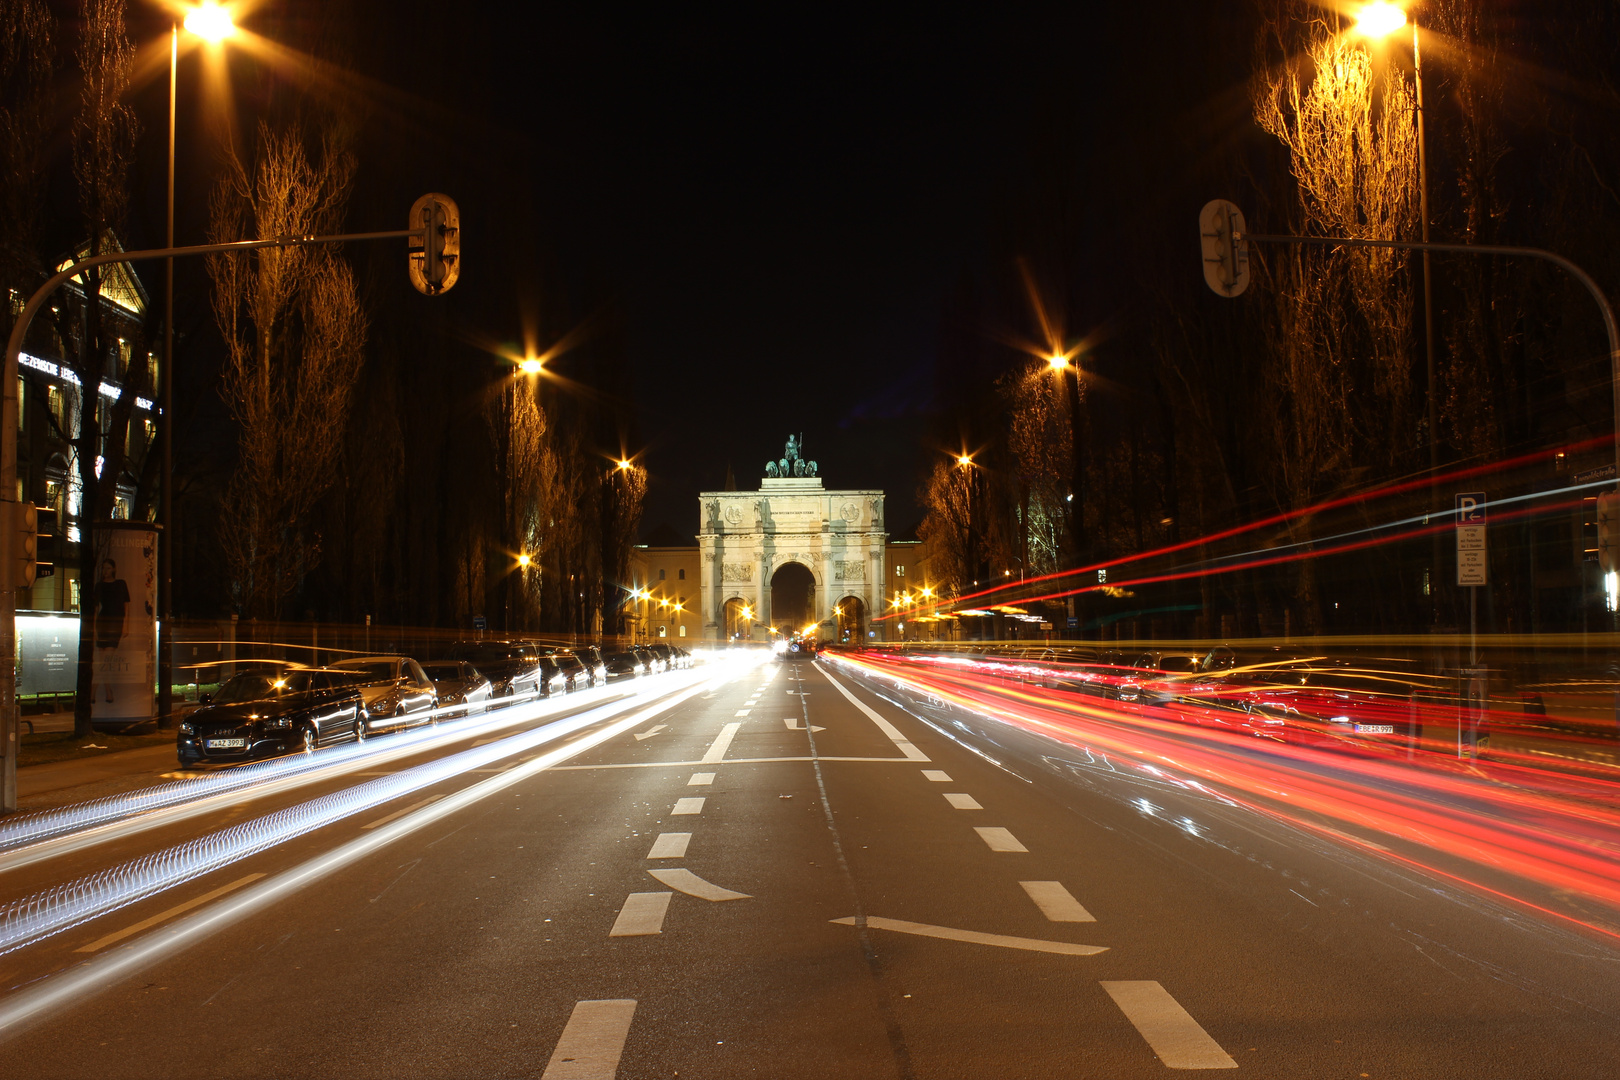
<point x="790" y="555"/>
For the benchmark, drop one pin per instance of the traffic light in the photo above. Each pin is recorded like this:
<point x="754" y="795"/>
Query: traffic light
<point x="44" y="542"/>
<point x="435" y="256"/>
<point x="24" y="540"/>
<point x="1226" y="253"/>
<point x="1608" y="523"/>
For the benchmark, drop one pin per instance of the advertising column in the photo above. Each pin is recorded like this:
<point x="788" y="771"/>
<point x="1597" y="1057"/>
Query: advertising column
<point x="121" y="608"/>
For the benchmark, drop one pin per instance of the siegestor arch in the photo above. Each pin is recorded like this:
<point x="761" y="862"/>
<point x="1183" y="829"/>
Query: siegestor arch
<point x="851" y="615"/>
<point x="740" y="618"/>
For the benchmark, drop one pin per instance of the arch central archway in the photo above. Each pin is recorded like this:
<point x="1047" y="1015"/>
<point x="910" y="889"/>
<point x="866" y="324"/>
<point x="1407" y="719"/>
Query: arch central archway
<point x="740" y="618"/>
<point x="851" y="611"/>
<point x="793" y="597"/>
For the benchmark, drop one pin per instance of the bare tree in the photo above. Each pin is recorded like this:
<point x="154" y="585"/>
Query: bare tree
<point x="295" y="335"/>
<point x="1039" y="440"/>
<point x="27" y="59"/>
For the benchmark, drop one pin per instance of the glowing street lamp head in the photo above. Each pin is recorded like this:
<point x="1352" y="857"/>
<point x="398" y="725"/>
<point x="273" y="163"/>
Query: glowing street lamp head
<point x="624" y="465"/>
<point x="1057" y="362"/>
<point x="531" y="366"/>
<point x="524" y="559"/>
<point x="1379" y="19"/>
<point x="210" y="21"/>
<point x="965" y="460"/>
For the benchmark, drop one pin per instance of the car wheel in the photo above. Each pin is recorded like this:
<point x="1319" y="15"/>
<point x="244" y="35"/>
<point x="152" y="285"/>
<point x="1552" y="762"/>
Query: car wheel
<point x="308" y="736"/>
<point x="187" y="762"/>
<point x="360" y="724"/>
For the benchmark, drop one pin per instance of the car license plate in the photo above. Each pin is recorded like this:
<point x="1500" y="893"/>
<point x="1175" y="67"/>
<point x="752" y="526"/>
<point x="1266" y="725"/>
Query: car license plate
<point x="226" y="744"/>
<point x="1375" y="729"/>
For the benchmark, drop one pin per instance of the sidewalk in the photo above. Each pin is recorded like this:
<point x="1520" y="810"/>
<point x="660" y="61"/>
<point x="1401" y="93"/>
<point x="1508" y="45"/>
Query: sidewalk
<point x="148" y="763"/>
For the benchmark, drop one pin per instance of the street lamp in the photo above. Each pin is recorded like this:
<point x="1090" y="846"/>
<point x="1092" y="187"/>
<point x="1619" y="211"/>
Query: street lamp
<point x="524" y="560"/>
<point x="213" y="24"/>
<point x="531" y="365"/>
<point x="1375" y="21"/>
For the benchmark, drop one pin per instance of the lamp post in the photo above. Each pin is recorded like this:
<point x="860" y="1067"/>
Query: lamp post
<point x="1062" y="364"/>
<point x="1375" y="21"/>
<point x="213" y="24"/>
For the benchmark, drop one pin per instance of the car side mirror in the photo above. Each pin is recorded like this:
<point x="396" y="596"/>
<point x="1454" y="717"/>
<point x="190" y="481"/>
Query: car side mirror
<point x="205" y="699"/>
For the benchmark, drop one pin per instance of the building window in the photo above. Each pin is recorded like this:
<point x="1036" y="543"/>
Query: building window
<point x="55" y="403"/>
<point x="73" y="594"/>
<point x="683" y="631"/>
<point x="899" y="571"/>
<point x="660" y="575"/>
<point x="120" y="509"/>
<point x="681" y="574"/>
<point x="663" y="631"/>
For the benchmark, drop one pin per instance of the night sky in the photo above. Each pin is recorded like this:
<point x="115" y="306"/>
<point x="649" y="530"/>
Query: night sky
<point x="778" y="201"/>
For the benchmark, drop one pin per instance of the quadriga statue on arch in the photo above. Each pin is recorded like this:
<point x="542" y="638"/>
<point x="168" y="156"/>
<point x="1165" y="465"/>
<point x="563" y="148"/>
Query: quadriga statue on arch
<point x="790" y="463"/>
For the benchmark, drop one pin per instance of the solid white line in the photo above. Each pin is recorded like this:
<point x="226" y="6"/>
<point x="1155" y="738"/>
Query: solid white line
<point x="642" y="914"/>
<point x="164" y="916"/>
<point x="722" y="743"/>
<point x="999" y="839"/>
<point x="1174" y="1035"/>
<point x="593" y="1041"/>
<point x="1056" y="902"/>
<point x="401" y="813"/>
<point x="692" y="885"/>
<point x="894" y="734"/>
<point x="699" y="779"/>
<point x="936" y="776"/>
<point x="670" y="845"/>
<point x="963" y="802"/>
<point x="688" y="806"/>
<point x="974" y="937"/>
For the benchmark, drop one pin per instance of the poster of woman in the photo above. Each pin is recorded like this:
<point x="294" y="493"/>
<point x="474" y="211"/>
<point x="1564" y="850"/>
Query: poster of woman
<point x="121" y="606"/>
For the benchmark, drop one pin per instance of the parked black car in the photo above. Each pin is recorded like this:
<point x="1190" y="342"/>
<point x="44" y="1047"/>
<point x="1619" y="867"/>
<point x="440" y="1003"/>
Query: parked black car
<point x="651" y="662"/>
<point x="512" y="667"/>
<point x="595" y="662"/>
<point x="260" y="714"/>
<point x="667" y="654"/>
<point x="622" y="663"/>
<point x="574" y="672"/>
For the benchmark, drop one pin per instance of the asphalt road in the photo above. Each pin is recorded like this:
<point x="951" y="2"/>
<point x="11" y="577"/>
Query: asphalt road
<point x="795" y="872"/>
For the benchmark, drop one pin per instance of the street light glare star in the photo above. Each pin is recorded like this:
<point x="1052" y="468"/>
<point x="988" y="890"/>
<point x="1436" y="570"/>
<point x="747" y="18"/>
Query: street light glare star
<point x="531" y="366"/>
<point x="210" y="22"/>
<point x="524" y="560"/>
<point x="965" y="460"/>
<point x="1379" y="19"/>
<point x="624" y="465"/>
<point x="1057" y="362"/>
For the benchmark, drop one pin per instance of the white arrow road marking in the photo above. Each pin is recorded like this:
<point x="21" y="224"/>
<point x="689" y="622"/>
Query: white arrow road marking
<point x="1172" y="1032"/>
<point x="642" y="914"/>
<point x="670" y="845"/>
<point x="792" y="723"/>
<point x="688" y="806"/>
<point x="650" y="732"/>
<point x="973" y="936"/>
<point x="593" y="1041"/>
<point x="722" y="743"/>
<point x="689" y="883"/>
<point x="1056" y="902"/>
<point x="900" y="741"/>
<point x="936" y="776"/>
<point x="963" y="802"/>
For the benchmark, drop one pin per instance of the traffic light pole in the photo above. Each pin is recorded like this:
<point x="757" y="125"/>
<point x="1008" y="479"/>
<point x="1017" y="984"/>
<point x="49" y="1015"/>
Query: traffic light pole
<point x="9" y="726"/>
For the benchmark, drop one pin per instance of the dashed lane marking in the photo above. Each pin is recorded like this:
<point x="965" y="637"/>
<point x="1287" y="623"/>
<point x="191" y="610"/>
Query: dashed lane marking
<point x="936" y="776"/>
<point x="722" y="743"/>
<point x="688" y="806"/>
<point x="1168" y="1028"/>
<point x="743" y="712"/>
<point x="401" y="813"/>
<point x="592" y="1042"/>
<point x="999" y="839"/>
<point x="962" y="801"/>
<point x="1065" y="948"/>
<point x="670" y="845"/>
<point x="1056" y="902"/>
<point x="164" y="916"/>
<point x="895" y="736"/>
<point x="728" y="761"/>
<point x="642" y="914"/>
<point x="689" y="883"/>
<point x="700" y="779"/>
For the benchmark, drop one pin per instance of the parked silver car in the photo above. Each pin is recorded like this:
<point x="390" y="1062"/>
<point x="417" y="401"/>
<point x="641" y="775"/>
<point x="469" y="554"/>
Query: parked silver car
<point x="459" y="683"/>
<point x="396" y="690"/>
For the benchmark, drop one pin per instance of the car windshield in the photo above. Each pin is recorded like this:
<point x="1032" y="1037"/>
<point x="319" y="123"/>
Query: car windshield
<point x="372" y="670"/>
<point x="443" y="671"/>
<point x="259" y="686"/>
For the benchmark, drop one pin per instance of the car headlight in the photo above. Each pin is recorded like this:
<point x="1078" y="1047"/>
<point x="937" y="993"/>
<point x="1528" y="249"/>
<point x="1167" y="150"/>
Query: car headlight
<point x="279" y="722"/>
<point x="186" y="728"/>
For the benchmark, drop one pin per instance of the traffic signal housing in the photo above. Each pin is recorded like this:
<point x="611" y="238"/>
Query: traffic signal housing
<point x="24" y="534"/>
<point x="44" y="542"/>
<point x="435" y="256"/>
